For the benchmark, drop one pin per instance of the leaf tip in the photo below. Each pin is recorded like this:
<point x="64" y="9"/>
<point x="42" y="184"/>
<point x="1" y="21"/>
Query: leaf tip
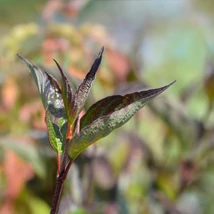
<point x="59" y="67"/>
<point x="171" y="83"/>
<point x="27" y="62"/>
<point x="166" y="86"/>
<point x="21" y="57"/>
<point x="18" y="55"/>
<point x="101" y="52"/>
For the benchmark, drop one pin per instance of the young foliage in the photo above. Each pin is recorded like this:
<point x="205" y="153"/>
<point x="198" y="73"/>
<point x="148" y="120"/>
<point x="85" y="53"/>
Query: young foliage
<point x="51" y="96"/>
<point x="62" y="111"/>
<point x="108" y="114"/>
<point x="69" y="101"/>
<point x="63" y="107"/>
<point x="85" y="87"/>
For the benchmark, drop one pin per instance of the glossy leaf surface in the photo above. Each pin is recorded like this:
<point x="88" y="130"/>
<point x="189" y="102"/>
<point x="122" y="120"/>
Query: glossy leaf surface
<point x="85" y="87"/>
<point x="51" y="95"/>
<point x="68" y="97"/>
<point x="47" y="85"/>
<point x="54" y="135"/>
<point x="117" y="113"/>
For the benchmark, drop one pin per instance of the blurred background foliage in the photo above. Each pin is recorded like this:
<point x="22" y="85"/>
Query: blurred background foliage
<point x="161" y="161"/>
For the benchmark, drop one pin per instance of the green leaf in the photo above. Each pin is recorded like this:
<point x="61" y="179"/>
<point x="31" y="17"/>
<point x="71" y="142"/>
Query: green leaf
<point x="51" y="95"/>
<point x="68" y="97"/>
<point x="47" y="85"/>
<point x="27" y="150"/>
<point x="30" y="203"/>
<point x="55" y="135"/>
<point x="115" y="115"/>
<point x="85" y="87"/>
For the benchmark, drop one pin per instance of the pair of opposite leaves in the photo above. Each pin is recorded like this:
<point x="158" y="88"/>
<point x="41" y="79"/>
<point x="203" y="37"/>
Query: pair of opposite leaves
<point x="63" y="106"/>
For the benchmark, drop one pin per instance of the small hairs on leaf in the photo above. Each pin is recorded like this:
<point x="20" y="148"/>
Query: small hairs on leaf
<point x="108" y="114"/>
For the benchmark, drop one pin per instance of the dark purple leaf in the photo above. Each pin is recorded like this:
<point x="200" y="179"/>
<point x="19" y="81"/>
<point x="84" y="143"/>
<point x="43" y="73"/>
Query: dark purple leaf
<point x="114" y="103"/>
<point x="110" y="119"/>
<point x="84" y="89"/>
<point x="101" y="108"/>
<point x="68" y="97"/>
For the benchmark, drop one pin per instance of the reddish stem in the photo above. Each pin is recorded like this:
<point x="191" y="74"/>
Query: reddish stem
<point x="59" y="187"/>
<point x="58" y="164"/>
<point x="57" y="195"/>
<point x="61" y="178"/>
<point x="68" y="167"/>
